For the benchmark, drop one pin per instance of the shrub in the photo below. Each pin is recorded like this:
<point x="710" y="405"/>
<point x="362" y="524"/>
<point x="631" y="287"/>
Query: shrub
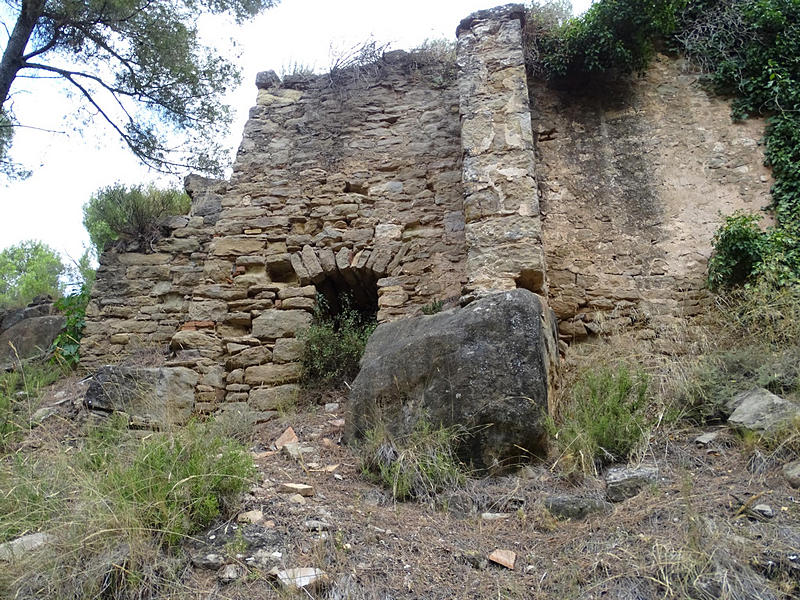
<point x="419" y="465"/>
<point x="334" y="344"/>
<point x="66" y="346"/>
<point x="739" y="247"/>
<point x="118" y="212"/>
<point x="613" y="38"/>
<point x="602" y="420"/>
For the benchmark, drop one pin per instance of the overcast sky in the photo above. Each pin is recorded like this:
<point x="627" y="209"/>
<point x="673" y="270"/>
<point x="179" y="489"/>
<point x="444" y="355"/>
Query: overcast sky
<point x="68" y="167"/>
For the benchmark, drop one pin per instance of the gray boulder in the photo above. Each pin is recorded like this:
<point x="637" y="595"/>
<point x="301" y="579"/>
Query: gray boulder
<point x="31" y="337"/>
<point x="160" y="396"/>
<point x="760" y="410"/>
<point x="575" y="508"/>
<point x="486" y="367"/>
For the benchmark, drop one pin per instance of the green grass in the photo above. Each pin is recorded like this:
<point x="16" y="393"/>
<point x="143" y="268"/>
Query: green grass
<point x="416" y="466"/>
<point x="20" y="397"/>
<point x="603" y="419"/>
<point x="118" y="506"/>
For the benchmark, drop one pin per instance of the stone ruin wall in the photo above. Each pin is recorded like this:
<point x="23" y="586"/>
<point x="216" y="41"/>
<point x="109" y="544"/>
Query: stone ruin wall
<point x="401" y="187"/>
<point x="633" y="180"/>
<point x="350" y="182"/>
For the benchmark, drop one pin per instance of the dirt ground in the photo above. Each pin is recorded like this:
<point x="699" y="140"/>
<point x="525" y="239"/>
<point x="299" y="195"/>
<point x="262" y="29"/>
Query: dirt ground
<point x="692" y="534"/>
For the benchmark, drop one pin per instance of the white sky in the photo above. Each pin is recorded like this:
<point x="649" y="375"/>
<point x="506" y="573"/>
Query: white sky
<point x="69" y="167"/>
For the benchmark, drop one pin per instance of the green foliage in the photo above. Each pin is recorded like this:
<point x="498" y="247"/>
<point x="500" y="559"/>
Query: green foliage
<point x="613" y="38"/>
<point x="433" y="308"/>
<point x="603" y="419"/>
<point x="419" y="465"/>
<point x="750" y="49"/>
<point x="139" y="66"/>
<point x="118" y="212"/>
<point x="739" y="247"/>
<point x="27" y="270"/>
<point x="66" y="346"/>
<point x="334" y="344"/>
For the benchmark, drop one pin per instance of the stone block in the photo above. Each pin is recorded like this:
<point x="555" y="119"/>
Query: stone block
<point x="273" y="374"/>
<point x="288" y="350"/>
<point x="274" y="323"/>
<point x="272" y="398"/>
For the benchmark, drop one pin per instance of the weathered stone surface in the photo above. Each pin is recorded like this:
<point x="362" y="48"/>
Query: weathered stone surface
<point x="575" y="508"/>
<point x="272" y="374"/>
<point x="272" y="398"/>
<point x="257" y="355"/>
<point x="288" y="350"/>
<point x="30" y="336"/>
<point x="760" y="410"/>
<point x="623" y="483"/>
<point x="274" y="323"/>
<point x="792" y="473"/>
<point x="484" y="367"/>
<point x="20" y="546"/>
<point x="162" y="396"/>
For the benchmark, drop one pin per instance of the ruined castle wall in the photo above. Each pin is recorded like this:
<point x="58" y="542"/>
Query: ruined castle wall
<point x="633" y="181"/>
<point x="343" y="184"/>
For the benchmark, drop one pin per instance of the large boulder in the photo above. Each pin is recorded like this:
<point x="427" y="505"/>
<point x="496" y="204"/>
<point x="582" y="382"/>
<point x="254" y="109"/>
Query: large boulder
<point x="760" y="410"/>
<point x="31" y="337"/>
<point x="486" y="367"/>
<point x="157" y="397"/>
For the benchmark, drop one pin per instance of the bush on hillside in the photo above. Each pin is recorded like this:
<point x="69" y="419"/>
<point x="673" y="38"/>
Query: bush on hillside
<point x="27" y="270"/>
<point x="119" y="212"/>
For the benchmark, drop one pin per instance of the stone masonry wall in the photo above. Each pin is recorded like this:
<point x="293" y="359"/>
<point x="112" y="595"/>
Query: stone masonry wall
<point x="633" y="180"/>
<point x="405" y="181"/>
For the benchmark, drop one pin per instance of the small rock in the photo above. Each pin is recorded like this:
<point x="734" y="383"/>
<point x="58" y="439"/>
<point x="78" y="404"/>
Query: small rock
<point x="477" y="560"/>
<point x="575" y="508"/>
<point x="22" y="545"/>
<point x="251" y="516"/>
<point x="287" y="437"/>
<point x="339" y="423"/>
<point x="332" y="407"/>
<point x="765" y="510"/>
<point x="760" y="410"/>
<point x="301" y="578"/>
<point x="489" y="516"/>
<point x="296" y="450"/>
<point x="42" y="414"/>
<point x="792" y="473"/>
<point x="208" y="561"/>
<point x="316" y="525"/>
<point x="623" y="483"/>
<point x="229" y="573"/>
<point x="506" y="558"/>
<point x="264" y="557"/>
<point x="297" y="499"/>
<point x="296" y="488"/>
<point x="706" y="438"/>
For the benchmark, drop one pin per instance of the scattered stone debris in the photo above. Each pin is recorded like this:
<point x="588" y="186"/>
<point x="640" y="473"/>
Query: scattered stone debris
<point x="297" y="499"/>
<point x="308" y="578"/>
<point x="792" y="473"/>
<point x="211" y="561"/>
<point x="287" y="437"/>
<point x="296" y="488"/>
<point x="490" y="516"/>
<point x="623" y="483"/>
<point x="316" y="525"/>
<point x="23" y="545"/>
<point x="332" y="407"/>
<point x="251" y="516"/>
<point x="505" y="558"/>
<point x="765" y="510"/>
<point x="296" y="450"/>
<point x="229" y="573"/>
<point x="706" y="438"/>
<point x="575" y="507"/>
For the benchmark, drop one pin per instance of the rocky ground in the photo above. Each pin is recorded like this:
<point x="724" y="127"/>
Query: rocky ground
<point x="705" y="515"/>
